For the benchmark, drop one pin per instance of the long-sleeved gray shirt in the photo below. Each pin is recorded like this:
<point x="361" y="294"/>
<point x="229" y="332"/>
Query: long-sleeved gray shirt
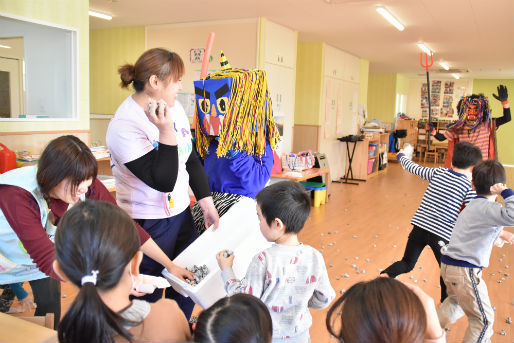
<point x="289" y="280"/>
<point x="477" y="228"/>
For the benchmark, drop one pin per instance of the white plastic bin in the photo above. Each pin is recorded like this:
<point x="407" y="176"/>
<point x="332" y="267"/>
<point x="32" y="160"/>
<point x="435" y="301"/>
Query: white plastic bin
<point x="238" y="231"/>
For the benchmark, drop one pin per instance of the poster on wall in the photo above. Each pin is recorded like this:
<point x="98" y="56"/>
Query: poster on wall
<point x="424" y="100"/>
<point x="440" y="109"/>
<point x="435" y="95"/>
<point x="447" y="108"/>
<point x="448" y="87"/>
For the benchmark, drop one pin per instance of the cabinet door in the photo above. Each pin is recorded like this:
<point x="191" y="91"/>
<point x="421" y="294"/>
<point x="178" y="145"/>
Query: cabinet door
<point x="329" y="108"/>
<point x="329" y="143"/>
<point x="281" y="81"/>
<point x="280" y="45"/>
<point x="350" y="101"/>
<point x="333" y="62"/>
<point x="352" y="68"/>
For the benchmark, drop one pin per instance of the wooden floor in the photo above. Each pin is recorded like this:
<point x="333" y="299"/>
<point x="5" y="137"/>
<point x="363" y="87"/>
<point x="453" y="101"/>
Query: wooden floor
<point x="367" y="226"/>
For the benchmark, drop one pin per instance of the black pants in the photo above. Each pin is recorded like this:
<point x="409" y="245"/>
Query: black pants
<point x="172" y="235"/>
<point x="47" y="296"/>
<point x="418" y="239"/>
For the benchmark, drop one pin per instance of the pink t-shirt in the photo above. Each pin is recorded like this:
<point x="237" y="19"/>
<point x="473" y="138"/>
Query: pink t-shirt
<point x="131" y="135"/>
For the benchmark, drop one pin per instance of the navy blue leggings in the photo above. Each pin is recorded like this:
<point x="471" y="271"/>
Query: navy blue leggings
<point x="172" y="235"/>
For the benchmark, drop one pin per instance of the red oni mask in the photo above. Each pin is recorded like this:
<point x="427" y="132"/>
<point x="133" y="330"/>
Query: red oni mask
<point x="472" y="111"/>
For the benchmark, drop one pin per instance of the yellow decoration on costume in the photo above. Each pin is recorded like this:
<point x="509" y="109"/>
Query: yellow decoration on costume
<point x="171" y="201"/>
<point x="224" y="62"/>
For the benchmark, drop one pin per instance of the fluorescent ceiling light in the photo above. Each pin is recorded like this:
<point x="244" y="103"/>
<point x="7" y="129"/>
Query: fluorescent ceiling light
<point x="99" y="15"/>
<point x="444" y="65"/>
<point x="5" y="46"/>
<point x="456" y="76"/>
<point x="390" y="18"/>
<point x="424" y="48"/>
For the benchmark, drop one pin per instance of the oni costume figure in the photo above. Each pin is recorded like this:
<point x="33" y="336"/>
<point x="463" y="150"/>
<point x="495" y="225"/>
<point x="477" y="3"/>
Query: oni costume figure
<point x="475" y="124"/>
<point x="235" y="134"/>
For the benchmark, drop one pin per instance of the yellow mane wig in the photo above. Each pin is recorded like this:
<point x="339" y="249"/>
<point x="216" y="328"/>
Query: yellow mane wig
<point x="248" y="120"/>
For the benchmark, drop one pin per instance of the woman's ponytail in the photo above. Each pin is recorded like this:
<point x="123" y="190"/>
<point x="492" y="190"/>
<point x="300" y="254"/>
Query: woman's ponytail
<point x="127" y="73"/>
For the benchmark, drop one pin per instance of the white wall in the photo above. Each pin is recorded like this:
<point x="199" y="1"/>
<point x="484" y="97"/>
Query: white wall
<point x="461" y="87"/>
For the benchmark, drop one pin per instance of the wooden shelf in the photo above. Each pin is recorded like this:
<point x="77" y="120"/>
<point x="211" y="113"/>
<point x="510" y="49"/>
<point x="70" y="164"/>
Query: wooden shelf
<point x="361" y="155"/>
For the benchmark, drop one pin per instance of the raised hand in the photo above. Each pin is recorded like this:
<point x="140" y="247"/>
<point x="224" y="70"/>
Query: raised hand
<point x="160" y="114"/>
<point x="502" y="93"/>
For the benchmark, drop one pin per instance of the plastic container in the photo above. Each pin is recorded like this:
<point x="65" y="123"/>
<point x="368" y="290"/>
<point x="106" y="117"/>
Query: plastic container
<point x="372" y="150"/>
<point x="238" y="231"/>
<point x="370" y="165"/>
<point x="7" y="159"/>
<point x="320" y="190"/>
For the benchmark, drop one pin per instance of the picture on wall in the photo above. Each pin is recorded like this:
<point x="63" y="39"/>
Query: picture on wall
<point x="444" y="109"/>
<point x="435" y="94"/>
<point x="424" y="100"/>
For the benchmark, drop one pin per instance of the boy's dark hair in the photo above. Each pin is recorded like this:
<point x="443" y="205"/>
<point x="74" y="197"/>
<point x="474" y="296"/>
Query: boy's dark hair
<point x="466" y="155"/>
<point x="287" y="201"/>
<point x="487" y="174"/>
<point x="236" y="319"/>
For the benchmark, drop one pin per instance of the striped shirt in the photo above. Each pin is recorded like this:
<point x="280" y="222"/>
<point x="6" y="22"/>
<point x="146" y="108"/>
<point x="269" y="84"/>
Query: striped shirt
<point x="441" y="203"/>
<point x="479" y="137"/>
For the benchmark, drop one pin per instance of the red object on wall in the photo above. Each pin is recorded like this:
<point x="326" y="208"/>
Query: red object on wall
<point x="7" y="159"/>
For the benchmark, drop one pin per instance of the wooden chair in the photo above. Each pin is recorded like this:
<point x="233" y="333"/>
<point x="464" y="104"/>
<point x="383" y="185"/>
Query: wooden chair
<point x="46" y="321"/>
<point x="432" y="152"/>
<point x="420" y="151"/>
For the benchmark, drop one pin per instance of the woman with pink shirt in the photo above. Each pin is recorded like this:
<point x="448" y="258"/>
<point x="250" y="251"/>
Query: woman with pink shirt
<point x="154" y="162"/>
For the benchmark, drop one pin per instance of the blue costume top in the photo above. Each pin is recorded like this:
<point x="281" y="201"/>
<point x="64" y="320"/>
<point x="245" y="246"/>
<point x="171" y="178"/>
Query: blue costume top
<point x="241" y="174"/>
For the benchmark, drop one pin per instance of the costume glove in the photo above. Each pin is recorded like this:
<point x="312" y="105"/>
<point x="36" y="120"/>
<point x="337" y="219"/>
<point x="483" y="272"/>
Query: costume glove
<point x="430" y="129"/>
<point x="502" y="93"/>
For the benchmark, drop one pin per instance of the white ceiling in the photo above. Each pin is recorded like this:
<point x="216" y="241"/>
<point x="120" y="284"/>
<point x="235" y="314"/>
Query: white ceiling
<point x="473" y="35"/>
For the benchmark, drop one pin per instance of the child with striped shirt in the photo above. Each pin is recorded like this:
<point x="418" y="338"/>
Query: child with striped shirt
<point x="434" y="219"/>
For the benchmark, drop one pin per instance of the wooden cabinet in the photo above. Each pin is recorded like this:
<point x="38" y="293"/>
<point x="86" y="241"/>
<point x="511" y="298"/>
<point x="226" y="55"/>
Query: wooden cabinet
<point x="279" y="44"/>
<point x="278" y="58"/>
<point x="333" y="62"/>
<point x="411" y="126"/>
<point x="341" y="65"/>
<point x="352" y="68"/>
<point x="362" y="158"/>
<point x="282" y="92"/>
<point x="326" y="103"/>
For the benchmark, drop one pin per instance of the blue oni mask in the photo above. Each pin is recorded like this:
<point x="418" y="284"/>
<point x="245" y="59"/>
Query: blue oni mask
<point x="212" y="97"/>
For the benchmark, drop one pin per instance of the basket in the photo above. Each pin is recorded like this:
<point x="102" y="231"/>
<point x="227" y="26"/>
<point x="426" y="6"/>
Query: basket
<point x="298" y="162"/>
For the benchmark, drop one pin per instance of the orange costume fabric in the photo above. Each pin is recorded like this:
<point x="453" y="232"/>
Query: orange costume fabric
<point x="483" y="137"/>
